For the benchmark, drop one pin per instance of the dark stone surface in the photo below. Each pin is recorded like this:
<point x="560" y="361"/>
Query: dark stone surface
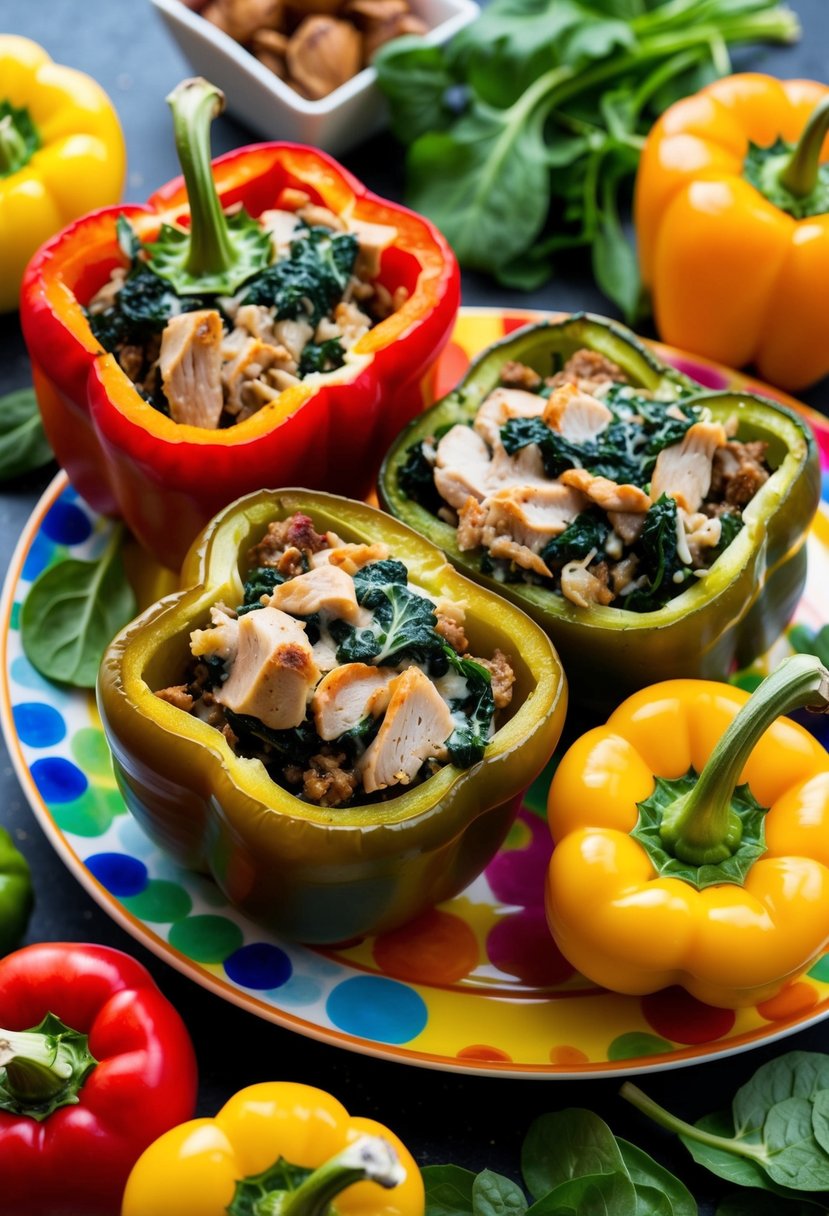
<point x="443" y="1116"/>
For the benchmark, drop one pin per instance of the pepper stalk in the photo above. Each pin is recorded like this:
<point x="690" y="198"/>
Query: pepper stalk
<point x="792" y="176"/>
<point x="43" y="1068"/>
<point x="217" y="253"/>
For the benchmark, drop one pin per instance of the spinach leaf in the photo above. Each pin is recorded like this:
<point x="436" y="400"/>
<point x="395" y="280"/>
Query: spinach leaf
<point x="295" y="745"/>
<point x="260" y="581"/>
<point x="732" y="525"/>
<point x="142" y="307"/>
<point x="321" y="357"/>
<point x="494" y="1195"/>
<point x="311" y="280"/>
<point x="805" y="641"/>
<point x="658" y="1191"/>
<point x="557" y="452"/>
<point x="602" y="1194"/>
<point x="659" y="557"/>
<point x="797" y="1074"/>
<point x="418" y="79"/>
<point x="404" y="622"/>
<point x="23" y="444"/>
<point x="473" y="714"/>
<point x="586" y="532"/>
<point x="73" y="611"/>
<point x="565" y="1145"/>
<point x="448" y="1190"/>
<point x="416" y="478"/>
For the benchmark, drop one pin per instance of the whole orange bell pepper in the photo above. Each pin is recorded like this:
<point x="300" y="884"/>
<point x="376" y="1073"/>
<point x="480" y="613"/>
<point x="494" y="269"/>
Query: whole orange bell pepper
<point x="692" y="840"/>
<point x="732" y="223"/>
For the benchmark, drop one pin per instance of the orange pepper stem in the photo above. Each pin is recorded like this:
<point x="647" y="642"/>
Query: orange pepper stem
<point x="370" y="1158"/>
<point x="701" y="827"/>
<point x="15" y="153"/>
<point x="800" y="174"/>
<point x="195" y="103"/>
<point x="737" y="1148"/>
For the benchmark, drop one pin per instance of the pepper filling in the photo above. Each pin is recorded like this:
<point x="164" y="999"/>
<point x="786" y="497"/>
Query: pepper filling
<point x="344" y="679"/>
<point x="213" y="360"/>
<point x="589" y="486"/>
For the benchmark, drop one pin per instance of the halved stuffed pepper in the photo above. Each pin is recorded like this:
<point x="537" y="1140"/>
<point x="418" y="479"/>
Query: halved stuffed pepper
<point x="328" y="718"/>
<point x="653" y="529"/>
<point x="266" y="320"/>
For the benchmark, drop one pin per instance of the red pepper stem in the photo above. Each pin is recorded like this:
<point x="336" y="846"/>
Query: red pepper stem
<point x="370" y="1158"/>
<point x="701" y="827"/>
<point x="14" y="152"/>
<point x="195" y="103"/>
<point x="800" y="174"/>
<point x="37" y="1068"/>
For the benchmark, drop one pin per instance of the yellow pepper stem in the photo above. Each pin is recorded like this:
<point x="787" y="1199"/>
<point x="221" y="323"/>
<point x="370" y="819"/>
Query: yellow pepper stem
<point x="15" y="152"/>
<point x="701" y="826"/>
<point x="800" y="174"/>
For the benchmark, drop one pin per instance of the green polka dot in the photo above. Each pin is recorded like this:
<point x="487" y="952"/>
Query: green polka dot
<point x="518" y="837"/>
<point x="206" y="939"/>
<point x="160" y="902"/>
<point x="91" y="814"/>
<point x="89" y="747"/>
<point x="14" y="619"/>
<point x="637" y="1043"/>
<point x="820" y="971"/>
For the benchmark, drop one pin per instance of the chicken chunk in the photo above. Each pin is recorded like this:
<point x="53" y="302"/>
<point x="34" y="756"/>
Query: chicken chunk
<point x="222" y="640"/>
<point x="576" y="415"/>
<point x="531" y="515"/>
<point x="351" y="558"/>
<point x="607" y="494"/>
<point x="347" y="695"/>
<point x="501" y="405"/>
<point x="190" y="363"/>
<point x="282" y="225"/>
<point x="273" y="672"/>
<point x="416" y="726"/>
<point x="373" y="240"/>
<point x="683" y="471"/>
<point x="462" y="466"/>
<point x="324" y="589"/>
<point x="584" y="587"/>
<point x="627" y="524"/>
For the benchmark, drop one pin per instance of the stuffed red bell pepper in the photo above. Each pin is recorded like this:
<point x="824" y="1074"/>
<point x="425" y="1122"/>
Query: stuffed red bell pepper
<point x="262" y="321"/>
<point x="95" y="1064"/>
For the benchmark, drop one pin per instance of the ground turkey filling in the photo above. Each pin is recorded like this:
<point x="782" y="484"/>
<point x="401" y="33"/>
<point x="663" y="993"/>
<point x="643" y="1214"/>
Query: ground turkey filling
<point x="582" y="483"/>
<point x="213" y="361"/>
<point x="347" y="682"/>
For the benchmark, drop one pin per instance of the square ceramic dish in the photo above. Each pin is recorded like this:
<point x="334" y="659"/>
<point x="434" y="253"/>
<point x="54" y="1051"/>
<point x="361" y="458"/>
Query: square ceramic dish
<point x="258" y="97"/>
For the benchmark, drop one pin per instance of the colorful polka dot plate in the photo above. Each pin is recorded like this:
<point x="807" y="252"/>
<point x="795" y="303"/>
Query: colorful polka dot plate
<point x="475" y="985"/>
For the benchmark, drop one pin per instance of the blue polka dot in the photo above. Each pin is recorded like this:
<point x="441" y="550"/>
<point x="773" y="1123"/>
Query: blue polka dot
<point x="120" y="874"/>
<point x="258" y="966"/>
<point x="38" y="725"/>
<point x="373" y="1007"/>
<point x="66" y="524"/>
<point x="27" y="676"/>
<point x="825" y="485"/>
<point x="38" y="557"/>
<point x="58" y="780"/>
<point x="300" y="990"/>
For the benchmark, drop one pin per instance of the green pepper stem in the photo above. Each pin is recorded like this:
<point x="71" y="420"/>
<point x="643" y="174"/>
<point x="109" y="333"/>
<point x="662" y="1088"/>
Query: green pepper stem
<point x="37" y="1065"/>
<point x="631" y="1093"/>
<point x="800" y="173"/>
<point x="701" y="826"/>
<point x="370" y="1158"/>
<point x="195" y="103"/>
<point x="14" y="151"/>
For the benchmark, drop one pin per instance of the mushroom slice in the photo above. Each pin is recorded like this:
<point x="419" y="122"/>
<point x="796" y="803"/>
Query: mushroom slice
<point x="190" y="363"/>
<point x="347" y="695"/>
<point x="273" y="672"/>
<point x="416" y="726"/>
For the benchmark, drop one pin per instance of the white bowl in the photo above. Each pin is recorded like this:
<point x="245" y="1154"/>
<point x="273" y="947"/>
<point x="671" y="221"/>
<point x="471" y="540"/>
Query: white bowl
<point x="256" y="95"/>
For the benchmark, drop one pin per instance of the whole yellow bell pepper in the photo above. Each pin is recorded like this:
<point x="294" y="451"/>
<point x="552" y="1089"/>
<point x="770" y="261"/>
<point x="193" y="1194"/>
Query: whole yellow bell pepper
<point x="692" y="840"/>
<point x="732" y="225"/>
<point x="277" y="1149"/>
<point x="61" y="154"/>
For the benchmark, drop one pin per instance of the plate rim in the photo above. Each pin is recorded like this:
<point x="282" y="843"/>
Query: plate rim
<point x="682" y="1056"/>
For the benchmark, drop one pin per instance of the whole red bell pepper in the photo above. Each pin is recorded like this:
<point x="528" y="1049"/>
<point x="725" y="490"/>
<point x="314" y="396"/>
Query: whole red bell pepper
<point x="165" y="478"/>
<point x="95" y="1064"/>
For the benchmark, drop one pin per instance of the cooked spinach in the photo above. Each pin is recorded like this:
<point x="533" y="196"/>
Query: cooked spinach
<point x="731" y="525"/>
<point x="321" y="357"/>
<point x="416" y="476"/>
<point x="659" y="558"/>
<point x="260" y="581"/>
<point x="473" y="713"/>
<point x="293" y="746"/>
<point x="309" y="282"/>
<point x="588" y="531"/>
<point x="404" y="622"/>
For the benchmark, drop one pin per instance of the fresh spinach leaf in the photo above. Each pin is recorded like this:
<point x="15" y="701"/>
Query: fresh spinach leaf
<point x="658" y="1191"/>
<point x="73" y="611"/>
<point x="565" y="1145"/>
<point x="23" y="443"/>
<point x="448" y="1190"/>
<point x="495" y="1195"/>
<point x="295" y="745"/>
<point x="797" y="1074"/>
<point x="416" y="78"/>
<point x="260" y="581"/>
<point x="794" y="1158"/>
<point x="416" y="478"/>
<point x="598" y="1194"/>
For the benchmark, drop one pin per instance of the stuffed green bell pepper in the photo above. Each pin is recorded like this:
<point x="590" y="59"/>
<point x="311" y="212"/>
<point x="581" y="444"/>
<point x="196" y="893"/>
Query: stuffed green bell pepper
<point x="653" y="528"/>
<point x="328" y="718"/>
<point x="16" y="897"/>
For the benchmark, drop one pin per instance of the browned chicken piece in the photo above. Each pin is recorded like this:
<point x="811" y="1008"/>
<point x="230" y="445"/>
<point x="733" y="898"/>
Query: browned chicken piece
<point x="245" y="359"/>
<point x="739" y="471"/>
<point x="347" y="695"/>
<point x="584" y="587"/>
<point x="323" y="589"/>
<point x="351" y="558"/>
<point x="627" y="524"/>
<point x="351" y="321"/>
<point x="607" y="494"/>
<point x="524" y="467"/>
<point x="373" y="240"/>
<point x="503" y="677"/>
<point x="519" y="375"/>
<point x="462" y="466"/>
<point x="623" y="573"/>
<point x="531" y="515"/>
<point x="221" y="640"/>
<point x="589" y="370"/>
<point x="106" y="296"/>
<point x="683" y="470"/>
<point x="191" y="367"/>
<point x="177" y="695"/>
<point x="501" y="405"/>
<point x="282" y="225"/>
<point x="317" y="216"/>
<point x="575" y="414"/>
<point x="416" y="726"/>
<point x="255" y="319"/>
<point x="509" y="550"/>
<point x="471" y="521"/>
<point x="273" y="672"/>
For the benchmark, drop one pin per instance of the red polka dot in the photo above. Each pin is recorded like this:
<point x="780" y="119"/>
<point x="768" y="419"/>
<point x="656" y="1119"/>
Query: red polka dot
<point x="511" y="324"/>
<point x="437" y="948"/>
<point x="676" y="1015"/>
<point x="789" y="1002"/>
<point x="521" y="945"/>
<point x="567" y="1057"/>
<point x="482" y="1051"/>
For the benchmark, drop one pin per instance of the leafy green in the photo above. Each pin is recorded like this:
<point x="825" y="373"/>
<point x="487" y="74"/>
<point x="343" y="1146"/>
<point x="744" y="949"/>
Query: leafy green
<point x="260" y="581"/>
<point x="525" y="132"/>
<point x="403" y="625"/>
<point x="558" y="1143"/>
<point x="495" y="1195"/>
<point x="658" y="1192"/>
<point x="73" y="611"/>
<point x="473" y="713"/>
<point x="805" y="641"/>
<point x="23" y="443"/>
<point x="586" y="532"/>
<point x="448" y="1190"/>
<point x="294" y="745"/>
<point x="24" y="141"/>
<point x="311" y="280"/>
<point x="321" y="357"/>
<point x="657" y="547"/>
